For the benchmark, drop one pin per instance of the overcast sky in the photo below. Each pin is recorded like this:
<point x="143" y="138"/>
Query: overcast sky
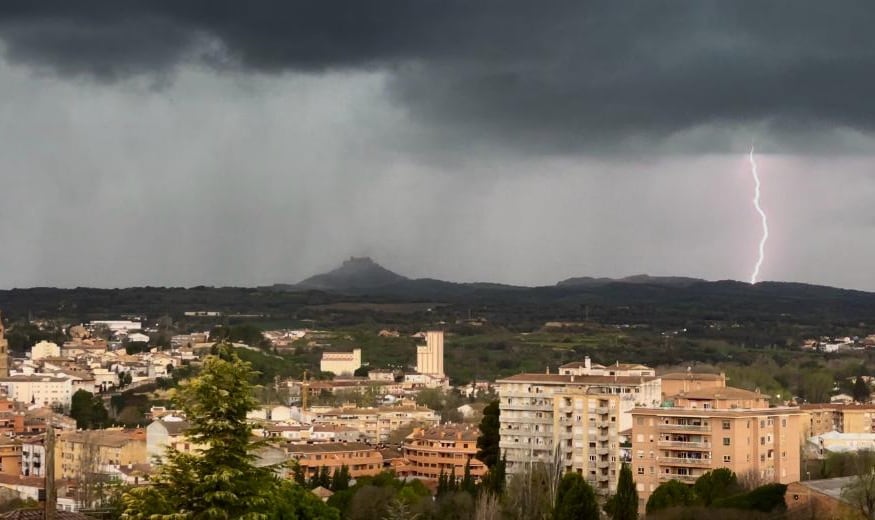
<point x="191" y="142"/>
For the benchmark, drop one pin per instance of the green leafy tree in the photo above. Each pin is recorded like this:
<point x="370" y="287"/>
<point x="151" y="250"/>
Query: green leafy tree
<point x="222" y="481"/>
<point x="624" y="504"/>
<point x="861" y="390"/>
<point x="488" y="451"/>
<point x="766" y="499"/>
<point x="817" y="385"/>
<point x="88" y="410"/>
<point x="296" y="503"/>
<point x="860" y="494"/>
<point x="575" y="499"/>
<point x="717" y="484"/>
<point x="670" y="494"/>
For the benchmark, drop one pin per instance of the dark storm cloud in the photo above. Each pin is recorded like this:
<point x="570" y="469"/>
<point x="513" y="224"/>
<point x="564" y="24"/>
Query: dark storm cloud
<point x="552" y="74"/>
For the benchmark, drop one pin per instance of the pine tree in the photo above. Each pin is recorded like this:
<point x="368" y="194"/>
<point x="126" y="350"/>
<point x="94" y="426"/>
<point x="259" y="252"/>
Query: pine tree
<point x="452" y="483"/>
<point x="222" y="480"/>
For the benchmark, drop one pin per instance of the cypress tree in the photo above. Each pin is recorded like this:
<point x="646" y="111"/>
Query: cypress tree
<point x="625" y="502"/>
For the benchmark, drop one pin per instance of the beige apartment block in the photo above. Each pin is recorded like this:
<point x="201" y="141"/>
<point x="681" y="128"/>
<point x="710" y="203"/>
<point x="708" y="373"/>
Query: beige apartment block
<point x="843" y="418"/>
<point x="375" y="424"/>
<point x="446" y="448"/>
<point x="361" y="459"/>
<point x="573" y="421"/>
<point x="697" y="435"/>
<point x="97" y="451"/>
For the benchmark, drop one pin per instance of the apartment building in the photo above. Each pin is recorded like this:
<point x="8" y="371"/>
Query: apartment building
<point x="95" y="451"/>
<point x="33" y="455"/>
<point x="374" y="424"/>
<point x="734" y="429"/>
<point x="446" y="448"/>
<point x="38" y="389"/>
<point x="633" y="391"/>
<point x="843" y="418"/>
<point x="361" y="459"/>
<point x="571" y="420"/>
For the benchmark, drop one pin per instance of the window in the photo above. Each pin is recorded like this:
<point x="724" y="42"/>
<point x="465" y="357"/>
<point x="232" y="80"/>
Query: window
<point x="640" y="471"/>
<point x="725" y="425"/>
<point x="727" y="458"/>
<point x="726" y="441"/>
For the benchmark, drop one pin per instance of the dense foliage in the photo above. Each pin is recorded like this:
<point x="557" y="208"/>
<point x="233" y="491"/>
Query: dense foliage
<point x="88" y="410"/>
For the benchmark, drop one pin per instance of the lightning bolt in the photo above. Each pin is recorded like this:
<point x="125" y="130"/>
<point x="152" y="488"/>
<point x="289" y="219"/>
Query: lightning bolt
<point x="765" y="221"/>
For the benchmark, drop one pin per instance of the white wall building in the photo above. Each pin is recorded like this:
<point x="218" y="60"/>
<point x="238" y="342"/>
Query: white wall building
<point x="33" y="457"/>
<point x="38" y="389"/>
<point x="44" y="349"/>
<point x="430" y="357"/>
<point x="588" y="368"/>
<point x="341" y="363"/>
<point x="116" y="326"/>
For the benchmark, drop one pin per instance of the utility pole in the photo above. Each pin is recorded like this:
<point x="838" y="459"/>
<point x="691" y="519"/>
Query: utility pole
<point x="51" y="493"/>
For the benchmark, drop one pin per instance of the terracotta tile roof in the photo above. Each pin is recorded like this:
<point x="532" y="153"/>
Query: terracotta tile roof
<point x="323" y="447"/>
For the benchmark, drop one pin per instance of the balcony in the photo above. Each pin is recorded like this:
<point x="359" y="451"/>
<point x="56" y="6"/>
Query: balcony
<point x="528" y="406"/>
<point x="603" y="464"/>
<point x="684" y="461"/>
<point x="686" y="427"/>
<point x="603" y="451"/>
<point x="601" y="410"/>
<point x="685" y="445"/>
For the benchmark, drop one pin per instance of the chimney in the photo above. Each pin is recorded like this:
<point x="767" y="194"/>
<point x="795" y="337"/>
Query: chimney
<point x="587" y="363"/>
<point x="548" y="370"/>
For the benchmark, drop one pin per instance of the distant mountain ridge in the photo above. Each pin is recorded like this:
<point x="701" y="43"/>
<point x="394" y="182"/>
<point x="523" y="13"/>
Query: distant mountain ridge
<point x="355" y="273"/>
<point x="671" y="281"/>
<point x="363" y="273"/>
